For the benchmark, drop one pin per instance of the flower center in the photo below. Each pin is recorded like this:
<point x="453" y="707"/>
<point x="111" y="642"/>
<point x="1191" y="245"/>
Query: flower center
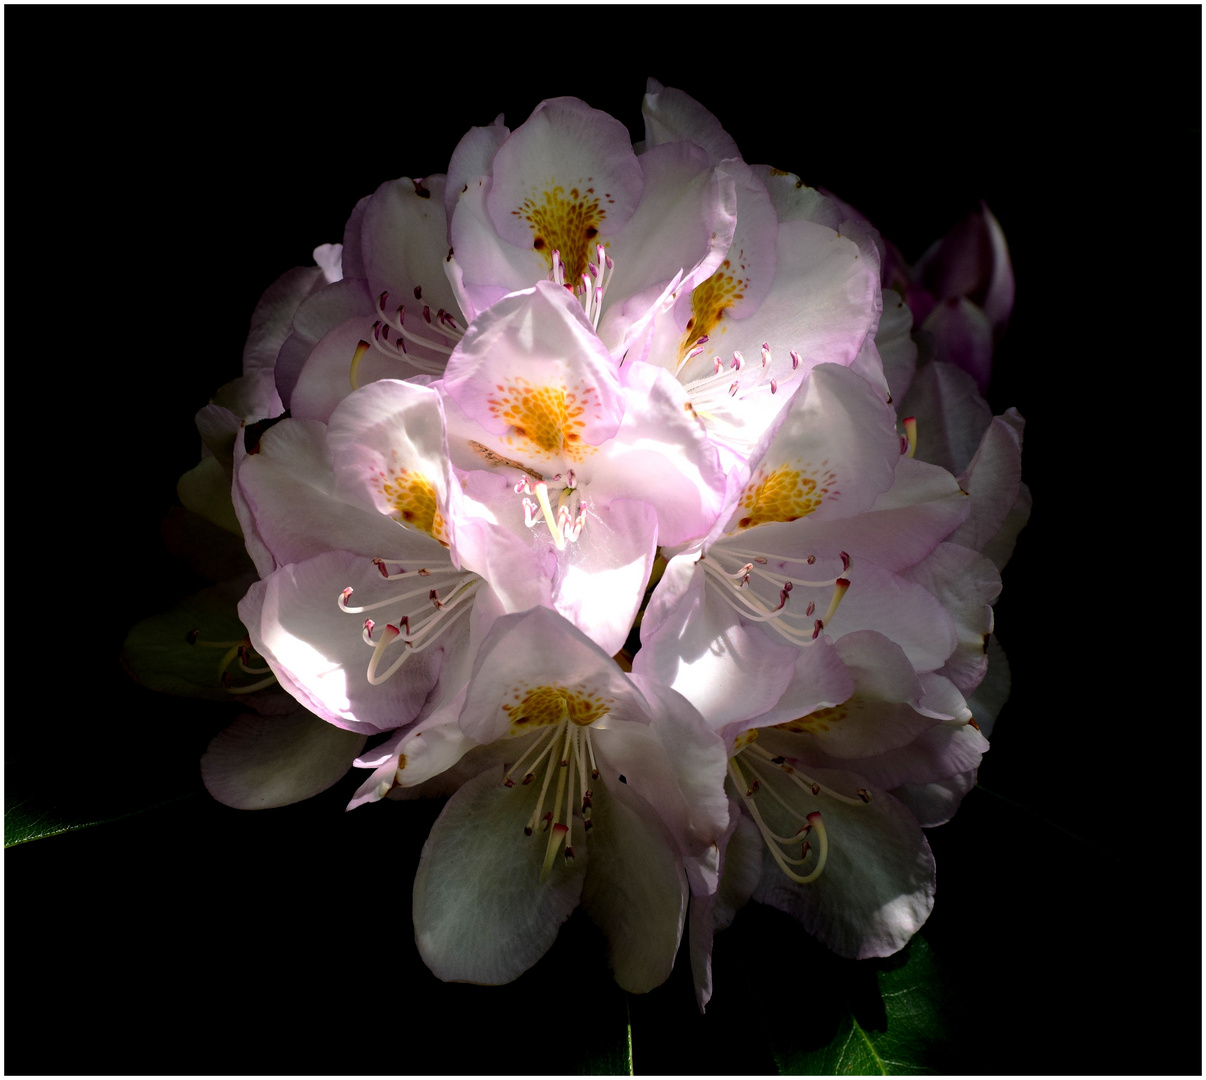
<point x="413" y="498"/>
<point x="564" y="224"/>
<point x="709" y="300"/>
<point x="564" y="746"/>
<point x="784" y="494"/>
<point x="421" y="614"/>
<point x="544" y="421"/>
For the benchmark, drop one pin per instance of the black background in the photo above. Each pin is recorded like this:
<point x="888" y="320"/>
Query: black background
<point x="165" y="165"/>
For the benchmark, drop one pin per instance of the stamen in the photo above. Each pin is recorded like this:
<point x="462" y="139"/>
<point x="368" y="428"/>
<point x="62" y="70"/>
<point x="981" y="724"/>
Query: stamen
<point x="396" y="350"/>
<point x="548" y="745"/>
<point x="357" y="356"/>
<point x="910" y="426"/>
<point x="550" y="853"/>
<point x="807" y="783"/>
<point x="541" y="491"/>
<point x="559" y="830"/>
<point x="426" y="631"/>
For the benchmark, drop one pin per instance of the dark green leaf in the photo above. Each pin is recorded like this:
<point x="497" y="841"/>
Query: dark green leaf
<point x="30" y="815"/>
<point x="889" y="1019"/>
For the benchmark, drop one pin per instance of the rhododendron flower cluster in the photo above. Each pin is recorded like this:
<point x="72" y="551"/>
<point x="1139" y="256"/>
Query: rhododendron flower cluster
<point x="580" y="494"/>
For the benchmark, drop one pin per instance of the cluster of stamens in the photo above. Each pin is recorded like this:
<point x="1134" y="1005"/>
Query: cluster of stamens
<point x="571" y="763"/>
<point x="426" y="613"/>
<point x="238" y="654"/>
<point x="567" y="521"/>
<point x="794" y="618"/>
<point x="434" y="333"/>
<point x="736" y="378"/>
<point x="589" y="286"/>
<point x="782" y="781"/>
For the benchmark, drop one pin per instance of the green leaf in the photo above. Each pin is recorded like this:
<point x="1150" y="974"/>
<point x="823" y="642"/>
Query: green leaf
<point x="889" y="1019"/>
<point x="30" y="815"/>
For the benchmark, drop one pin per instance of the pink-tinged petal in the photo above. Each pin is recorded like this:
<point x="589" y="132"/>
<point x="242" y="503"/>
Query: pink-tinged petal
<point x="412" y="758"/>
<point x="966" y="584"/>
<point x="819" y="681"/>
<point x="389" y="452"/>
<point x="712" y="302"/>
<point x="944" y="750"/>
<point x="794" y="200"/>
<point x="935" y="803"/>
<point x="531" y="372"/>
<point x="273" y="316"/>
<point x="484" y="268"/>
<point x="566" y="179"/>
<point x="601" y="578"/>
<point x="404" y="241"/>
<point x="684" y="778"/>
<point x="951" y="415"/>
<point x="329" y="258"/>
<point x="290" y="500"/>
<point x="905" y="613"/>
<point x="740" y="870"/>
<point x="636" y="891"/>
<point x="830" y="453"/>
<point x="351" y="260"/>
<point x="250" y="397"/>
<point x="894" y="341"/>
<point x="673" y="116"/>
<point x="989" y="698"/>
<point x="535" y="649"/>
<point x="481" y="912"/>
<point x="520" y="574"/>
<point x="880" y="714"/>
<point x="822" y="306"/>
<point x="661" y="455"/>
<point x="877" y="887"/>
<point x="1000" y="548"/>
<point x="998" y="297"/>
<point x="327" y="375"/>
<point x="316" y="317"/>
<point x="962" y="335"/>
<point x="693" y="641"/>
<point x="471" y="160"/>
<point x="684" y="224"/>
<point x="317" y="652"/>
<point x="904" y="524"/>
<point x="265" y="761"/>
<point x="993" y="480"/>
<point x="972" y="260"/>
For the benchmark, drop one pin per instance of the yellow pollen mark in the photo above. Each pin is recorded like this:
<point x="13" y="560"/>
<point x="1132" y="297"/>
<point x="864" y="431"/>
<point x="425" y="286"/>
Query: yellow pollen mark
<point x="413" y="498"/>
<point x="784" y="494"/>
<point x="567" y="224"/>
<point x="544" y="420"/>
<point x="708" y="303"/>
<point x="818" y="721"/>
<point x="544" y="705"/>
<point x="744" y="739"/>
